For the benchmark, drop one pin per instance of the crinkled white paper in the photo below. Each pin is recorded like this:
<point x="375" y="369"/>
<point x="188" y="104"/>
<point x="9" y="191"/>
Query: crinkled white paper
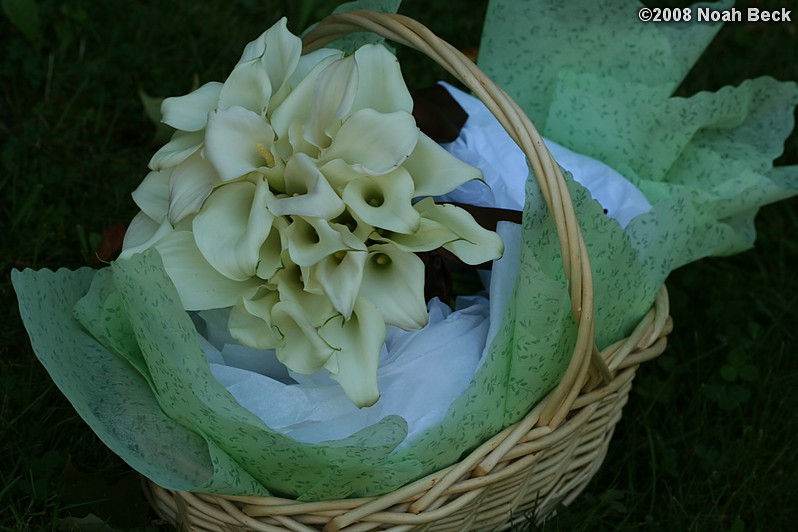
<point x="484" y="143"/>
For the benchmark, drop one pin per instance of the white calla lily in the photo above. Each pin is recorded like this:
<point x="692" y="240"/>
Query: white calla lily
<point x="339" y="173"/>
<point x="190" y="183"/>
<point x="247" y="86"/>
<point x="302" y="349"/>
<point x="373" y="143"/>
<point x="142" y="233"/>
<point x="279" y="50"/>
<point x="358" y="342"/>
<point x="435" y="171"/>
<point x="394" y="281"/>
<point x="429" y="235"/>
<point x="232" y="226"/>
<point x="270" y="255"/>
<point x="199" y="285"/>
<point x="339" y="276"/>
<point x="312" y="239"/>
<point x="238" y="141"/>
<point x="333" y="95"/>
<point x="475" y="244"/>
<point x="190" y="112"/>
<point x="152" y="194"/>
<point x="384" y="201"/>
<point x="308" y="63"/>
<point x="308" y="193"/>
<point x="177" y="150"/>
<point x="291" y="284"/>
<point x="250" y="321"/>
<point x="380" y="83"/>
<point x="298" y="105"/>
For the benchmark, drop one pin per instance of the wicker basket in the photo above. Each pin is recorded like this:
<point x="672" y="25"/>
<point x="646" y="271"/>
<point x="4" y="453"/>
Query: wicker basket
<point x="529" y="468"/>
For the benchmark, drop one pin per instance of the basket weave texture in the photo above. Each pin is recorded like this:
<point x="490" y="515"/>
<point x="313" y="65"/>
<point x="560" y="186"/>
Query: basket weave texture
<point x="542" y="461"/>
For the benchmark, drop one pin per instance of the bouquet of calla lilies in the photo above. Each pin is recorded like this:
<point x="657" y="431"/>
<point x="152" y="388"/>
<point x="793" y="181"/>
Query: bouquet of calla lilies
<point x="298" y="192"/>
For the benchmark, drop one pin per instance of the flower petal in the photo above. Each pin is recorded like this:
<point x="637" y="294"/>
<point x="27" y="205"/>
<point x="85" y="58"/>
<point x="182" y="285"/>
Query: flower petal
<point x="340" y="275"/>
<point x="292" y="286"/>
<point x="298" y="104"/>
<point x="190" y="184"/>
<point x="190" y="112"/>
<point x="333" y="95"/>
<point x="302" y="349"/>
<point x="429" y="235"/>
<point x="372" y="142"/>
<point x="238" y="141"/>
<point x="358" y="342"/>
<point x="142" y="233"/>
<point x="435" y="171"/>
<point x="380" y="85"/>
<point x="269" y="257"/>
<point x="200" y="285"/>
<point x="394" y="281"/>
<point x="475" y="244"/>
<point x="312" y="239"/>
<point x="339" y="173"/>
<point x="307" y="192"/>
<point x="232" y="226"/>
<point x="152" y="194"/>
<point x="250" y="321"/>
<point x="248" y="86"/>
<point x="177" y="150"/>
<point x="279" y="50"/>
<point x="384" y="201"/>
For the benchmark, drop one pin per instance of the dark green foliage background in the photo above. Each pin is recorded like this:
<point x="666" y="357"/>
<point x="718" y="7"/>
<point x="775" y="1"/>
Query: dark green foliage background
<point x="708" y="440"/>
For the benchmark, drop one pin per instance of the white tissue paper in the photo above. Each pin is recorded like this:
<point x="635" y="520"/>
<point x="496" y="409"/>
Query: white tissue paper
<point x="421" y="372"/>
<point x="484" y="143"/>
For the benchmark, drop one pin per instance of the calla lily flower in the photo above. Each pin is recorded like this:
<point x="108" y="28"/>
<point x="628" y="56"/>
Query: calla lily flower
<point x="199" y="285"/>
<point x="430" y="235"/>
<point x="190" y="184"/>
<point x="152" y="195"/>
<point x="312" y="239"/>
<point x="250" y="320"/>
<point x="357" y="342"/>
<point x="403" y="305"/>
<point x="308" y="193"/>
<point x="190" y="112"/>
<point x="384" y="201"/>
<point x="434" y="172"/>
<point x="380" y="83"/>
<point x="143" y="233"/>
<point x="373" y="143"/>
<point x="339" y="276"/>
<point x="302" y="348"/>
<point x="177" y="150"/>
<point x="474" y="244"/>
<point x="232" y="226"/>
<point x="292" y="285"/>
<point x="237" y="142"/>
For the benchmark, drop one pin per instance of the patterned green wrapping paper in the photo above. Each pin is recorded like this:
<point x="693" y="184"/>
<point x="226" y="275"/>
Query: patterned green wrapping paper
<point x="594" y="79"/>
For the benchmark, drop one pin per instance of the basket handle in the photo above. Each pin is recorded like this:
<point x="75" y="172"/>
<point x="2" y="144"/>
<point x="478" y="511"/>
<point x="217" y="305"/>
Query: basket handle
<point x="413" y="34"/>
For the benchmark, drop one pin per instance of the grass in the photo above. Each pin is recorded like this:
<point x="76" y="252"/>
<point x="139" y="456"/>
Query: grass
<point x="707" y="441"/>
